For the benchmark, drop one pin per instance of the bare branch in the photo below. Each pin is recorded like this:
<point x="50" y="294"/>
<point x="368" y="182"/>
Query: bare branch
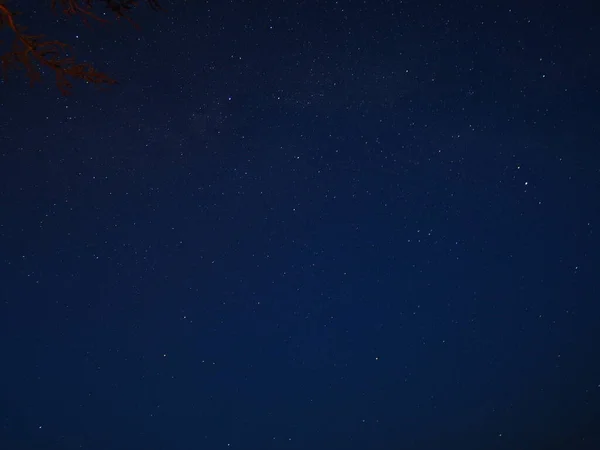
<point x="33" y="52"/>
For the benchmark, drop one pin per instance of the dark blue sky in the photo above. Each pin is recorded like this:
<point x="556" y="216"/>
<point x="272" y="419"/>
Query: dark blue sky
<point x="306" y="225"/>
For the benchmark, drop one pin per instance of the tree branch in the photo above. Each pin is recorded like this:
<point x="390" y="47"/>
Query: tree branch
<point x="32" y="51"/>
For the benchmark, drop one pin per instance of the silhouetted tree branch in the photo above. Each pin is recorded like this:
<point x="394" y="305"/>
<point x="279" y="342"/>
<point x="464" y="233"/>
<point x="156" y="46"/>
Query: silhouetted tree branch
<point x="34" y="52"/>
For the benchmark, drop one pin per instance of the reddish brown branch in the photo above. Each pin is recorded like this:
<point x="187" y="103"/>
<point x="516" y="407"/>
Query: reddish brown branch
<point x="29" y="50"/>
<point x="120" y="8"/>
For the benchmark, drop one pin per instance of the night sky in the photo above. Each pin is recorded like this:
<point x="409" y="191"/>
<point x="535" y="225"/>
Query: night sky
<point x="305" y="225"/>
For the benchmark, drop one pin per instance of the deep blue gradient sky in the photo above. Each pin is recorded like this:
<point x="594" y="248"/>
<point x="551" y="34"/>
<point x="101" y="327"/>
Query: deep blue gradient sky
<point x="306" y="225"/>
